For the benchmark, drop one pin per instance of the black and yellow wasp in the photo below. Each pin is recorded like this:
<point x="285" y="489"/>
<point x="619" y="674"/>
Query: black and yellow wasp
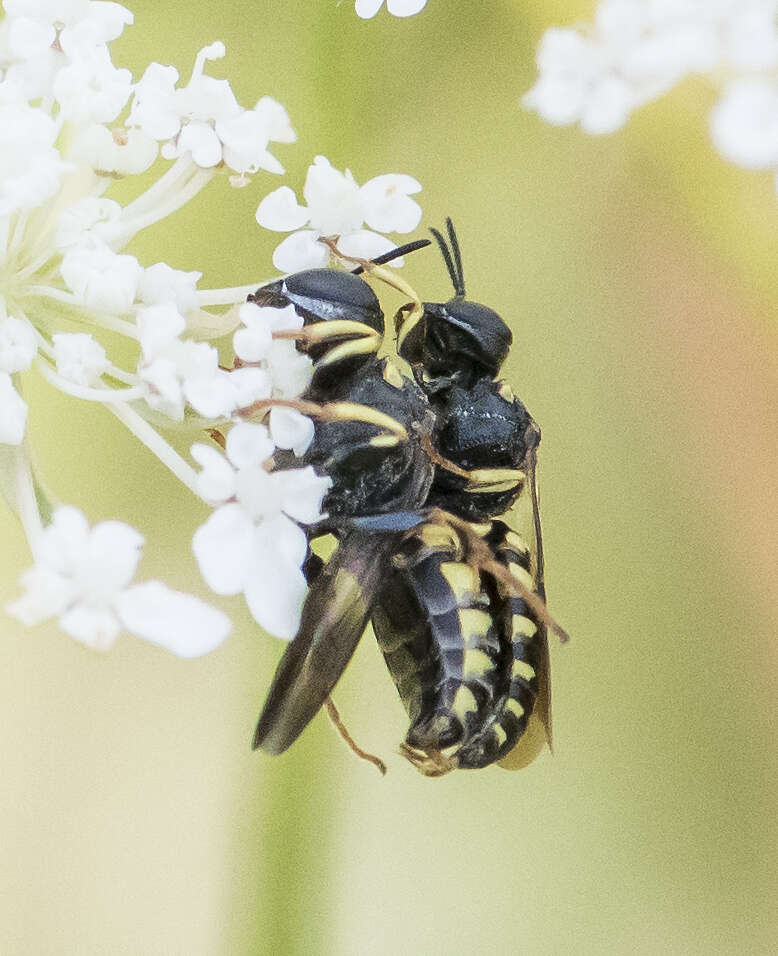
<point x="434" y="507"/>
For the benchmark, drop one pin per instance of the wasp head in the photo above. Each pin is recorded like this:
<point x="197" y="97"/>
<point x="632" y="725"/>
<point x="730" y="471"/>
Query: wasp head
<point x="454" y="342"/>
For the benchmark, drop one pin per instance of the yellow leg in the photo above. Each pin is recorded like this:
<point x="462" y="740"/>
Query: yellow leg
<point x="332" y="412"/>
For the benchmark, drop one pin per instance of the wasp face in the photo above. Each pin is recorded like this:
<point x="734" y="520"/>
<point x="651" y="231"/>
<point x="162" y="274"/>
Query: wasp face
<point x="456" y="342"/>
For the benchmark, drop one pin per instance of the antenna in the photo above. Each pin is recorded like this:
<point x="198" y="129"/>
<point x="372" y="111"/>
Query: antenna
<point x="393" y="254"/>
<point x="454" y="271"/>
<point x="452" y="238"/>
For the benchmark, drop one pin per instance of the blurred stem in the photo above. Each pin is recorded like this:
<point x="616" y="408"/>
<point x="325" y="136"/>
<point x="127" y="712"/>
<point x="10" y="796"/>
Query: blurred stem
<point x="24" y="495"/>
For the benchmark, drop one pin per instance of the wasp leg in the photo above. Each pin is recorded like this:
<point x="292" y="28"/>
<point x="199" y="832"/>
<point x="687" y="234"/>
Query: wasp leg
<point x="479" y="480"/>
<point x="392" y="432"/>
<point x="414" y="308"/>
<point x="346" y="337"/>
<point x="337" y="722"/>
<point x="479" y="555"/>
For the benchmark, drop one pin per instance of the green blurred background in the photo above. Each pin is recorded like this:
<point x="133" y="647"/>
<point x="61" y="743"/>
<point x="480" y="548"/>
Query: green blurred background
<point x="638" y="274"/>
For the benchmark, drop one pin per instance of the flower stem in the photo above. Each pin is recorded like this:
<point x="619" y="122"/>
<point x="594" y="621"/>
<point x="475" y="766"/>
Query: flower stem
<point x="229" y="296"/>
<point x="147" y="217"/>
<point x="26" y="500"/>
<point x="105" y="395"/>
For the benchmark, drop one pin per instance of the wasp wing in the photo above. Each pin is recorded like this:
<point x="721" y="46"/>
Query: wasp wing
<point x="333" y="620"/>
<point x="524" y="518"/>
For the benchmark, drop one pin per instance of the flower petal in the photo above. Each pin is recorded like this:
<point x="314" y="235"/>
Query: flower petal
<point x="281" y="212"/>
<point x="223" y="547"/>
<point x="216" y="482"/>
<point x="300" y="251"/>
<point x="304" y="491"/>
<point x="387" y="205"/>
<point x="97" y="627"/>
<point x="290" y="429"/>
<point x="276" y="589"/>
<point x="367" y="245"/>
<point x="249" y="443"/>
<point x="181" y="623"/>
<point x="405" y="8"/>
<point x="367" y="8"/>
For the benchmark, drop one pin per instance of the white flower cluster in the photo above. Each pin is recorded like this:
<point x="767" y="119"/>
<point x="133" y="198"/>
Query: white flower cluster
<point x="71" y="125"/>
<point x="637" y="50"/>
<point x="338" y="206"/>
<point x="398" y="8"/>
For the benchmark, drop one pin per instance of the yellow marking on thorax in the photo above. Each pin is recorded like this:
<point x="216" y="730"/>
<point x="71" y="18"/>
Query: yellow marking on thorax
<point x="506" y="392"/>
<point x="476" y="663"/>
<point x="514" y="707"/>
<point x="474" y="622"/>
<point x="461" y="578"/>
<point x="464" y="702"/>
<point x="393" y="375"/>
<point x="523" y="627"/>
<point x="522" y="669"/>
<point x="500" y="734"/>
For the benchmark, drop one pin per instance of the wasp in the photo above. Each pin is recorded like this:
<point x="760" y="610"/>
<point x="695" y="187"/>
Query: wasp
<point x="434" y="507"/>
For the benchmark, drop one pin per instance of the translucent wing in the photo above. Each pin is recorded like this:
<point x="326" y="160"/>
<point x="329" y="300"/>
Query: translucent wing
<point x="334" y="617"/>
<point x="524" y="517"/>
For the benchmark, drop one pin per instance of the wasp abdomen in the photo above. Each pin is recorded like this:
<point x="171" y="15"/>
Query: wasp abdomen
<point x="508" y="720"/>
<point x="441" y="641"/>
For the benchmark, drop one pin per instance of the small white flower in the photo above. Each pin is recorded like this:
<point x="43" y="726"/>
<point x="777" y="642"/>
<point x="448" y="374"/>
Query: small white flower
<point x="744" y="124"/>
<point x="17" y="345"/>
<point x="291" y="430"/>
<point x="290" y="371"/>
<point x="79" y="358"/>
<point x="252" y="543"/>
<point x="128" y="152"/>
<point x="205" y="119"/>
<point x="82" y="577"/>
<point x="30" y="167"/>
<point x="92" y="220"/>
<point x="161" y="283"/>
<point x="91" y="90"/>
<point x="178" y="371"/>
<point x="338" y="206"/>
<point x="398" y="8"/>
<point x="100" y="277"/>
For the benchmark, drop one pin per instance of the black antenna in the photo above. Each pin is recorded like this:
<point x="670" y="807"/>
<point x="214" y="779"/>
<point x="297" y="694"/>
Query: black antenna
<point x="447" y="258"/>
<point x="452" y="238"/>
<point x="394" y="254"/>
